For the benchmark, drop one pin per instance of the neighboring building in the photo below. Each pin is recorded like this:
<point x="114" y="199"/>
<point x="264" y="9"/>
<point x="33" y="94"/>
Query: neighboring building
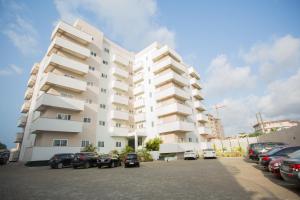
<point x="215" y="126"/>
<point x="88" y="90"/>
<point x="277" y="125"/>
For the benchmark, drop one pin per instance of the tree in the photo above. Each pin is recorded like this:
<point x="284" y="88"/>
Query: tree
<point x="89" y="148"/>
<point x="153" y="144"/>
<point x="2" y="146"/>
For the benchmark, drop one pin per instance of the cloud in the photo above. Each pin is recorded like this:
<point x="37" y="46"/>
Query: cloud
<point x="225" y="79"/>
<point x="280" y="56"/>
<point x="134" y="21"/>
<point x="12" y="69"/>
<point x="18" y="29"/>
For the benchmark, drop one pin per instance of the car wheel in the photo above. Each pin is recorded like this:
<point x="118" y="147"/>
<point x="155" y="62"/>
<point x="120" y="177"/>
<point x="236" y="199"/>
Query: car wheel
<point x="59" y="165"/>
<point x="87" y="165"/>
<point x="52" y="167"/>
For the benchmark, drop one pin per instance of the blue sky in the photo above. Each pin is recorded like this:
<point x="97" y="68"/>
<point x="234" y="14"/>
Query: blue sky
<point x="248" y="53"/>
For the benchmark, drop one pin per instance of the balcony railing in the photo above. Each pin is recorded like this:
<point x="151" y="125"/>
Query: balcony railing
<point x="120" y="115"/>
<point x="172" y="92"/>
<point x="194" y="73"/>
<point x="138" y="90"/>
<point x="19" y="137"/>
<point x="169" y="62"/>
<point x="25" y="107"/>
<point x="176" y="126"/>
<point x="31" y="81"/>
<point x="124" y="100"/>
<point x="170" y="76"/>
<point x="28" y="94"/>
<point x="120" y="60"/>
<point x="119" y="131"/>
<point x="22" y="121"/>
<point x="120" y="85"/>
<point x="165" y="51"/>
<point x="139" y="103"/>
<point x="139" y="117"/>
<point x="138" y="78"/>
<point x="195" y="83"/>
<point x="174" y="108"/>
<point x="197" y="94"/>
<point x="120" y="72"/>
<point x="201" y="117"/>
<point x="34" y="69"/>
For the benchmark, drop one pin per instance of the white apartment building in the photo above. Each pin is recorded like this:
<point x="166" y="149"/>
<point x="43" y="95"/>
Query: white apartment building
<point x="276" y="125"/>
<point x="88" y="90"/>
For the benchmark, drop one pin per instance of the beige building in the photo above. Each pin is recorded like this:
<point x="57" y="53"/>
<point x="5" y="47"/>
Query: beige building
<point x="277" y="125"/>
<point x="88" y="90"/>
<point x="215" y="126"/>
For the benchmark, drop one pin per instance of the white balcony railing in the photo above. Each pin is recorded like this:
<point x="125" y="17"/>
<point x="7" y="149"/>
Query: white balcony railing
<point x="120" y="72"/>
<point x="195" y="83"/>
<point x="124" y="100"/>
<point x="139" y="103"/>
<point x="172" y="92"/>
<point x="180" y="126"/>
<point x="19" y="137"/>
<point x="34" y="69"/>
<point x="22" y="121"/>
<point x="120" y="85"/>
<point x="199" y="106"/>
<point x="169" y="62"/>
<point x="194" y="73"/>
<point x="174" y="108"/>
<point x="31" y="81"/>
<point x="25" y="107"/>
<point x="120" y="60"/>
<point x="56" y="125"/>
<point x="28" y="93"/>
<point x="119" y="131"/>
<point x="201" y="117"/>
<point x="138" y="90"/>
<point x="138" y="78"/>
<point x="165" y="51"/>
<point x="139" y="117"/>
<point x="120" y="115"/>
<point x="162" y="79"/>
<point x="197" y="94"/>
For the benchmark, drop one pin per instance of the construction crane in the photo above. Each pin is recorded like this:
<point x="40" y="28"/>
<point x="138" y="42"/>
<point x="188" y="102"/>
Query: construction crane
<point x="217" y="107"/>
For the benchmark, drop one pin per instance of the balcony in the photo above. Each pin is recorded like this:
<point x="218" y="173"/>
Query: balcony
<point x="139" y="117"/>
<point x="72" y="32"/>
<point x="138" y="90"/>
<point x="174" y="108"/>
<point x="120" y="115"/>
<point x="28" y="94"/>
<point x="138" y="78"/>
<point x="56" y="125"/>
<point x="195" y="83"/>
<point x="119" y="131"/>
<point x="120" y="60"/>
<point x="48" y="100"/>
<point x="201" y="118"/>
<point x="165" y="51"/>
<point x="139" y="103"/>
<point x="66" y="64"/>
<point x="120" y="72"/>
<point x="204" y="131"/>
<point x="31" y="81"/>
<point x="22" y="121"/>
<point x="25" y="107"/>
<point x="176" y="126"/>
<point x="197" y="94"/>
<point x="199" y="106"/>
<point x="70" y="47"/>
<point x="137" y="67"/>
<point x="19" y="137"/>
<point x="194" y="73"/>
<point x="120" y="85"/>
<point x="124" y="100"/>
<point x="51" y="79"/>
<point x="167" y="63"/>
<point x="172" y="92"/>
<point x="34" y="69"/>
<point x="170" y="76"/>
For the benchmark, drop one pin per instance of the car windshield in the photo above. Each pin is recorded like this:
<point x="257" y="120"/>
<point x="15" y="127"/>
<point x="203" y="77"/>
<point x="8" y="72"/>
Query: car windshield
<point x="105" y="156"/>
<point x="131" y="156"/>
<point x="208" y="150"/>
<point x="295" y="154"/>
<point x="274" y="150"/>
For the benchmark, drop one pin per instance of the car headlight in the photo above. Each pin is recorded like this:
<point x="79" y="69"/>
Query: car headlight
<point x="276" y="164"/>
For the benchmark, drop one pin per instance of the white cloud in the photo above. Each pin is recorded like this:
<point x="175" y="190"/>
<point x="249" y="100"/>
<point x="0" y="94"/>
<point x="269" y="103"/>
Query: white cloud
<point x="12" y="69"/>
<point x="223" y="78"/>
<point x="281" y="55"/>
<point x="134" y="21"/>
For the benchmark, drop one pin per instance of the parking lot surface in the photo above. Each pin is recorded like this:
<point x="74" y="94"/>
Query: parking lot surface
<point x="223" y="178"/>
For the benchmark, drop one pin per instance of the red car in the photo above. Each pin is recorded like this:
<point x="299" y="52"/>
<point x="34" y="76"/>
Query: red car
<point x="274" y="166"/>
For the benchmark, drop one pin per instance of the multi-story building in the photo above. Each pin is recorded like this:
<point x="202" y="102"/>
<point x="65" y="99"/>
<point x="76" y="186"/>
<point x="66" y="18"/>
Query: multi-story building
<point x="277" y="125"/>
<point x="215" y="126"/>
<point x="88" y="90"/>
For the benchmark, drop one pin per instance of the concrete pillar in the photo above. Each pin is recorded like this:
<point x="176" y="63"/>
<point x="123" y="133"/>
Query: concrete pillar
<point x="135" y="142"/>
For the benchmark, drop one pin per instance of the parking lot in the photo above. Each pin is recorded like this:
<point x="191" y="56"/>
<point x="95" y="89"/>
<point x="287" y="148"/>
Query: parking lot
<point x="223" y="178"/>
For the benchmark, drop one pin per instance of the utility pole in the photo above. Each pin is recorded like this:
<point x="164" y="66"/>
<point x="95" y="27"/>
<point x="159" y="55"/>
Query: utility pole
<point x="260" y="121"/>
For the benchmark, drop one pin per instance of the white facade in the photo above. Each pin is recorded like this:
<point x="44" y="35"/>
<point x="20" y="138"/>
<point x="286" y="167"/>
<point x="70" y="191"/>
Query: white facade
<point x="88" y="90"/>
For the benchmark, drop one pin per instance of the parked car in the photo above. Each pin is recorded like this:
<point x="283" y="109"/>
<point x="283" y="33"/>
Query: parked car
<point x="290" y="168"/>
<point x="59" y="161"/>
<point x="190" y="155"/>
<point x="265" y="159"/>
<point x="4" y="156"/>
<point x="274" y="166"/>
<point x="255" y="149"/>
<point x="85" y="159"/>
<point x="131" y="159"/>
<point x="209" y="153"/>
<point x="108" y="161"/>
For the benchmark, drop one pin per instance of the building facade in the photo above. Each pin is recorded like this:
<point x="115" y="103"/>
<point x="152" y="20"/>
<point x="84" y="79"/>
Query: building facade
<point x="88" y="90"/>
<point x="276" y="125"/>
<point x="215" y="126"/>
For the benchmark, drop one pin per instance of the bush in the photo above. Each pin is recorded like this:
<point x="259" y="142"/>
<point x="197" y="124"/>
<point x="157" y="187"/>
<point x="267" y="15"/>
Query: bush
<point x="144" y="155"/>
<point x="89" y="148"/>
<point x="153" y="144"/>
<point x="2" y="146"/>
<point x="125" y="151"/>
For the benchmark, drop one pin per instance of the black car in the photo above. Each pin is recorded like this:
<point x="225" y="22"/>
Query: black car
<point x="131" y="159"/>
<point x="59" y="161"/>
<point x="4" y="156"/>
<point x="255" y="149"/>
<point x="284" y="151"/>
<point x="290" y="168"/>
<point x="108" y="161"/>
<point x="85" y="159"/>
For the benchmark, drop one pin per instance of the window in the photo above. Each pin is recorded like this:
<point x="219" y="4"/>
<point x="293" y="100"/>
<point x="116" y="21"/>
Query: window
<point x="63" y="116"/>
<point x="87" y="120"/>
<point x="102" y="123"/>
<point x="106" y="50"/>
<point x="93" y="53"/>
<point x="89" y="83"/>
<point x="68" y="75"/>
<point x="103" y="90"/>
<point x="89" y="101"/>
<point x="101" y="144"/>
<point x="190" y="140"/>
<point x="104" y="75"/>
<point x="152" y="124"/>
<point x="85" y="143"/>
<point x="91" y="68"/>
<point x="140" y="141"/>
<point x="118" y="144"/>
<point x="60" y="143"/>
<point x="103" y="106"/>
<point x="105" y="62"/>
<point x="118" y="125"/>
<point x="63" y="94"/>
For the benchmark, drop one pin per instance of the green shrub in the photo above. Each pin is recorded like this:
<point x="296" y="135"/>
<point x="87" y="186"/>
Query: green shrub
<point x="89" y="148"/>
<point x="144" y="155"/>
<point x="153" y="144"/>
<point x="125" y="151"/>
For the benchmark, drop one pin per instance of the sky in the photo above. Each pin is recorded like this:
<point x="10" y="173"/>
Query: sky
<point x="247" y="52"/>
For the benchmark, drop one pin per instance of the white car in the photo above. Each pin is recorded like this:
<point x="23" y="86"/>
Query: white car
<point x="190" y="155"/>
<point x="209" y="153"/>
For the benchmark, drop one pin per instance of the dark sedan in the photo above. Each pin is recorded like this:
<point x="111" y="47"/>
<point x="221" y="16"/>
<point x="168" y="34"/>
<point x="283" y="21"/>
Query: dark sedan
<point x="59" y="161"/>
<point x="255" y="149"/>
<point x="107" y="160"/>
<point x="265" y="159"/>
<point x="131" y="160"/>
<point x="290" y="168"/>
<point x="85" y="159"/>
